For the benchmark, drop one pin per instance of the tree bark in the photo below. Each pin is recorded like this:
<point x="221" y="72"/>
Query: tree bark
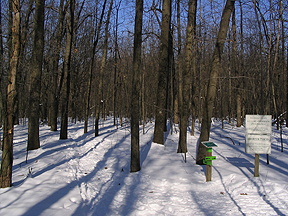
<point x="91" y="68"/>
<point x="7" y="154"/>
<point x="163" y="72"/>
<point x="1" y="70"/>
<point x="35" y="76"/>
<point x="235" y="70"/>
<point x="66" y="73"/>
<point x="135" y="108"/>
<point x="55" y="88"/>
<point x="100" y="99"/>
<point x="178" y="92"/>
<point x="212" y="83"/>
<point x="187" y="74"/>
<point x="243" y="83"/>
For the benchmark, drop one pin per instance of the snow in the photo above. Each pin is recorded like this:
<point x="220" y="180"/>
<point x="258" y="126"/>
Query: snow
<point x="87" y="175"/>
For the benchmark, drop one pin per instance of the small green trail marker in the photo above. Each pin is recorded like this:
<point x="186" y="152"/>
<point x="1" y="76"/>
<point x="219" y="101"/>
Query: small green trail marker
<point x="208" y="159"/>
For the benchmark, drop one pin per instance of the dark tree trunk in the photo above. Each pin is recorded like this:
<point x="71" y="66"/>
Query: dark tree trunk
<point x="21" y="93"/>
<point x="186" y="75"/>
<point x="212" y="84"/>
<point x="178" y="92"/>
<point x="1" y="70"/>
<point x="115" y="65"/>
<point x="7" y="154"/>
<point x="91" y="69"/>
<point x="100" y="99"/>
<point x="163" y="73"/>
<point x="235" y="70"/>
<point x="135" y="108"/>
<point x="35" y="76"/>
<point x="66" y="71"/>
<point x="55" y="89"/>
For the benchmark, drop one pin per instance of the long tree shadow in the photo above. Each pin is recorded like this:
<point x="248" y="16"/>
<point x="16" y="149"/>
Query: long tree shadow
<point x="248" y="167"/>
<point x="65" y="145"/>
<point x="53" y="165"/>
<point x="281" y="166"/>
<point x="57" y="195"/>
<point x="107" y="195"/>
<point x="100" y="204"/>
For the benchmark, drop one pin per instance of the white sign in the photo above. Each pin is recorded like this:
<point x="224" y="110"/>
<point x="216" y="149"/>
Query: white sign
<point x="258" y="134"/>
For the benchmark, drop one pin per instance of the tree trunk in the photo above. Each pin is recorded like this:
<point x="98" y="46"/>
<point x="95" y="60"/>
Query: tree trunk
<point x="35" y="76"/>
<point x="212" y="84"/>
<point x="1" y="70"/>
<point x="235" y="69"/>
<point x="187" y="74"/>
<point x="243" y="83"/>
<point x="54" y="94"/>
<point x="100" y="99"/>
<point x="163" y="72"/>
<point x="66" y="73"/>
<point x="7" y="154"/>
<point x="21" y="94"/>
<point x="135" y="108"/>
<point x="178" y="95"/>
<point x="116" y="68"/>
<point x="91" y="69"/>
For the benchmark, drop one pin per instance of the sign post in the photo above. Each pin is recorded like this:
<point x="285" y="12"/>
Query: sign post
<point x="208" y="159"/>
<point x="258" y="137"/>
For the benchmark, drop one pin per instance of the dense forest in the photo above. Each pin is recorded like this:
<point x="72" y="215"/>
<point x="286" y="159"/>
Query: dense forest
<point x="66" y="60"/>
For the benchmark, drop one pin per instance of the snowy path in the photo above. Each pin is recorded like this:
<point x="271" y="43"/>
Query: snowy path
<point x="87" y="175"/>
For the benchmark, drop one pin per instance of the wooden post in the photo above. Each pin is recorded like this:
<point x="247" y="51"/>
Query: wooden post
<point x="209" y="167"/>
<point x="256" y="172"/>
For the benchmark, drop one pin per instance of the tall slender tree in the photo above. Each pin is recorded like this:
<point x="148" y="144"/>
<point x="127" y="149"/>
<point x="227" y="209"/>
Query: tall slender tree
<point x="54" y="93"/>
<point x="1" y="68"/>
<point x="178" y="95"/>
<point x="7" y="154"/>
<point x="135" y="103"/>
<point x="187" y="74"/>
<point x="235" y="69"/>
<point x="35" y="76"/>
<point x="163" y="73"/>
<point x="66" y="72"/>
<point x="100" y="99"/>
<point x="95" y="43"/>
<point x="116" y="54"/>
<point x="213" y="79"/>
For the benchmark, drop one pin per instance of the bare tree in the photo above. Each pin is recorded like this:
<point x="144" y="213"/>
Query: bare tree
<point x="187" y="74"/>
<point x="55" y="88"/>
<point x="163" y="73"/>
<point x="1" y="68"/>
<point x="213" y="78"/>
<point x="7" y="154"/>
<point x="91" y="68"/>
<point x="66" y="73"/>
<point x="100" y="99"/>
<point x="135" y="105"/>
<point x="35" y="76"/>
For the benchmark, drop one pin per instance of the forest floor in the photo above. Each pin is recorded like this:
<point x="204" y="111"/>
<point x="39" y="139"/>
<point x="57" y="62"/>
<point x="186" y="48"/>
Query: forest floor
<point x="88" y="175"/>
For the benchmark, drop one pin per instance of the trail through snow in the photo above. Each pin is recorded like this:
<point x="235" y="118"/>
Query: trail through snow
<point x="87" y="175"/>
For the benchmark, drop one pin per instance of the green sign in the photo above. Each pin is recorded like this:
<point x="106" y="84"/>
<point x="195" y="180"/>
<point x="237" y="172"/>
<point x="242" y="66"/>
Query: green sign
<point x="209" y="144"/>
<point x="208" y="160"/>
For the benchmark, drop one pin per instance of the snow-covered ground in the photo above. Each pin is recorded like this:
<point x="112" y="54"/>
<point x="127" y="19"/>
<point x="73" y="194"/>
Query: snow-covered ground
<point x="87" y="175"/>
